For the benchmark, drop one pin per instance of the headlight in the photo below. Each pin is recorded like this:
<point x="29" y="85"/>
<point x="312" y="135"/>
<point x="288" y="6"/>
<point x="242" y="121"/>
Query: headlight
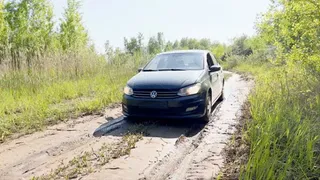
<point x="128" y="91"/>
<point x="190" y="90"/>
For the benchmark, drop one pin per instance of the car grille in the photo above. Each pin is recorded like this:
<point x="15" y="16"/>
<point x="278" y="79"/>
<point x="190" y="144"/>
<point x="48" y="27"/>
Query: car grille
<point x="160" y="94"/>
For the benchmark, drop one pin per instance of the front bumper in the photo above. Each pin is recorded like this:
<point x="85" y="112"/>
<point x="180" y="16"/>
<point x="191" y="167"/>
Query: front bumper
<point x="181" y="107"/>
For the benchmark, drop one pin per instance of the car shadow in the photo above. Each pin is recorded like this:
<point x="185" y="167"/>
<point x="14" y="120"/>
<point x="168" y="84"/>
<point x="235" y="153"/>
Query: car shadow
<point x="152" y="127"/>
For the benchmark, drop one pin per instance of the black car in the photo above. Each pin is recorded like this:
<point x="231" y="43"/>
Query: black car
<point x="177" y="84"/>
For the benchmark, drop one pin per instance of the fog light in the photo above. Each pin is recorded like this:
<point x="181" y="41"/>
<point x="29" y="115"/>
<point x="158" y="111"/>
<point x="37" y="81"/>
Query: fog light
<point x="191" y="108"/>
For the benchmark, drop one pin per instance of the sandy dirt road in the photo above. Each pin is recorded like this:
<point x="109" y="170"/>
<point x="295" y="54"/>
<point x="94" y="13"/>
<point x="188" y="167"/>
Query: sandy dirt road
<point x="167" y="150"/>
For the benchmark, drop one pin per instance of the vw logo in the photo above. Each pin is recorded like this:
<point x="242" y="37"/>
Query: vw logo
<point x="153" y="94"/>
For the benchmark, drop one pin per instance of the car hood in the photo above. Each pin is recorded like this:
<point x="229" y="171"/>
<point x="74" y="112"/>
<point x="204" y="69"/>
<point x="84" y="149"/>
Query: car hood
<point x="170" y="80"/>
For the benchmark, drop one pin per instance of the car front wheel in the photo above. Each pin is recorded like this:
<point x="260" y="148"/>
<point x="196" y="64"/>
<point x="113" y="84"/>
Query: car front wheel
<point x="208" y="107"/>
<point x="221" y="98"/>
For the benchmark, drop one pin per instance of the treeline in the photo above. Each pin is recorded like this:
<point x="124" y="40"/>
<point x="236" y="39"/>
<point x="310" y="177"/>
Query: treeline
<point x="241" y="47"/>
<point x="31" y="40"/>
<point x="28" y="34"/>
<point x="158" y="43"/>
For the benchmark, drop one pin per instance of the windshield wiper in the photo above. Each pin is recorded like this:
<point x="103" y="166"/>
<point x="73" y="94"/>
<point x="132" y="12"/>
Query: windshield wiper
<point x="150" y="70"/>
<point x="172" y="69"/>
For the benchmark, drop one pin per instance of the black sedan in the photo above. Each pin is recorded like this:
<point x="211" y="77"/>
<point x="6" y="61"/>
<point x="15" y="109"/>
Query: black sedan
<point x="177" y="84"/>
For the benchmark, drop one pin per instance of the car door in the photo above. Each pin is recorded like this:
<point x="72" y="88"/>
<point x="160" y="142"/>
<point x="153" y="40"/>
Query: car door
<point x="220" y="74"/>
<point x="214" y="79"/>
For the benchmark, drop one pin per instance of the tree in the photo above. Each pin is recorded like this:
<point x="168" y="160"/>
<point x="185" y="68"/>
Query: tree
<point x="16" y="17"/>
<point x="134" y="45"/>
<point x="293" y="28"/>
<point x="161" y="41"/>
<point x="193" y="43"/>
<point x="239" y="46"/>
<point x="3" y="33"/>
<point x="219" y="50"/>
<point x="108" y="49"/>
<point x="205" y="44"/>
<point x="156" y="44"/>
<point x="40" y="28"/>
<point x="153" y="46"/>
<point x="176" y="45"/>
<point x="184" y="43"/>
<point x="73" y="35"/>
<point x="140" y="39"/>
<point x="169" y="46"/>
<point x="31" y="27"/>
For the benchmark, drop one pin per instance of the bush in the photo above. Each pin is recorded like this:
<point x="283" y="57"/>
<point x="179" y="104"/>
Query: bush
<point x="232" y="61"/>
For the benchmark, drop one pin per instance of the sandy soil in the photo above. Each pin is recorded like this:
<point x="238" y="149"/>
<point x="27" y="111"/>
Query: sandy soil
<point x="169" y="149"/>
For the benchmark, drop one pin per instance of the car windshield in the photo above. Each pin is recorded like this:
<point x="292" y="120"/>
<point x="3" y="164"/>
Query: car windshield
<point x="176" y="61"/>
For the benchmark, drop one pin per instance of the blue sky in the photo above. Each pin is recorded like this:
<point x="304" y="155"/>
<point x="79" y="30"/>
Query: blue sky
<point x="218" y="20"/>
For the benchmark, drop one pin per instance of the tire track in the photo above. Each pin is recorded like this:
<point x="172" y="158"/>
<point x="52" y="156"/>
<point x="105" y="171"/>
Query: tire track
<point x="38" y="153"/>
<point x="168" y="150"/>
<point x="201" y="157"/>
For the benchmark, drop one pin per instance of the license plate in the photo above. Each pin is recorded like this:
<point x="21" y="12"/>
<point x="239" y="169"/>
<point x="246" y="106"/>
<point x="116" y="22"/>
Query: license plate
<point x="154" y="104"/>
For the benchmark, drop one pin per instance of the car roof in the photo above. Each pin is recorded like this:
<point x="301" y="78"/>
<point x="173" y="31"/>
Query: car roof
<point x="186" y="51"/>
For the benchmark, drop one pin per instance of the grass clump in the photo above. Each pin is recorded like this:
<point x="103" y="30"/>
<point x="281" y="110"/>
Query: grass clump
<point x="88" y="162"/>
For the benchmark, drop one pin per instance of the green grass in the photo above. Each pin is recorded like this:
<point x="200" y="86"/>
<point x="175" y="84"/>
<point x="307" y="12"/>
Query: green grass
<point x="284" y="133"/>
<point x="33" y="100"/>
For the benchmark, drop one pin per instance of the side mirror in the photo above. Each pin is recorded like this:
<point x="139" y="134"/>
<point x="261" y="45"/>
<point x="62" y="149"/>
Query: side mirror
<point x="140" y="69"/>
<point x="215" y="68"/>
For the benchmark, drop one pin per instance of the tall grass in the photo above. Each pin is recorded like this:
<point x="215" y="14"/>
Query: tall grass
<point x="33" y="99"/>
<point x="284" y="133"/>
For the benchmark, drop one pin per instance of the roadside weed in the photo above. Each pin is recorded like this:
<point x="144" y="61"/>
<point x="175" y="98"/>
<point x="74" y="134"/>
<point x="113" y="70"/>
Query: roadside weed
<point x="284" y="133"/>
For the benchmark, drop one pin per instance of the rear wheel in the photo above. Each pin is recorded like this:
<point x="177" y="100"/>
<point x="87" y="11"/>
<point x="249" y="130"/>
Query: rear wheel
<point x="207" y="115"/>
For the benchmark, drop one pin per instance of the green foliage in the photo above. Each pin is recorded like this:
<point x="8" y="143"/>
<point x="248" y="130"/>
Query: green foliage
<point x="219" y="50"/>
<point x="293" y="28"/>
<point x="240" y="47"/>
<point x="169" y="46"/>
<point x="156" y="44"/>
<point x="3" y="33"/>
<point x="73" y="35"/>
<point x="284" y="133"/>
<point x="160" y="41"/>
<point x="134" y="45"/>
<point x="108" y="50"/>
<point x="29" y="28"/>
<point x="233" y="61"/>
<point x="32" y="101"/>
<point x="176" y="45"/>
<point x="48" y="75"/>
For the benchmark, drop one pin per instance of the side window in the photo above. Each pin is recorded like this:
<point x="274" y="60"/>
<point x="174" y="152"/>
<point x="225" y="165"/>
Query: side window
<point x="209" y="60"/>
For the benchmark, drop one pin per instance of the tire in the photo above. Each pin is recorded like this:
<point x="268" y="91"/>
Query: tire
<point x="208" y="108"/>
<point x="131" y="119"/>
<point x="221" y="98"/>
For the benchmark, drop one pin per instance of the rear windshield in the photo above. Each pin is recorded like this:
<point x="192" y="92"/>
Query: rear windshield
<point x="176" y="61"/>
